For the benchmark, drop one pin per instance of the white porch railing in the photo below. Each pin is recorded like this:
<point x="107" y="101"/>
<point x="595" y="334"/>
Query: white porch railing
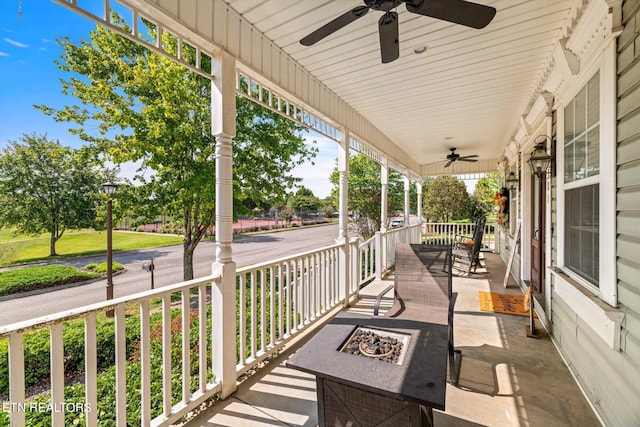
<point x="439" y="233"/>
<point x="149" y="331"/>
<point x="160" y="363"/>
<point x="278" y="299"/>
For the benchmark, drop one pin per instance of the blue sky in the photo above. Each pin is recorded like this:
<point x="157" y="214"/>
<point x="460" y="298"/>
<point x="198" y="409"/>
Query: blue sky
<point x="29" y="76"/>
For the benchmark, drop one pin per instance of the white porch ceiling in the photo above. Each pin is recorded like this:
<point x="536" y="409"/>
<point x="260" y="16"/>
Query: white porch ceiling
<point x="468" y="90"/>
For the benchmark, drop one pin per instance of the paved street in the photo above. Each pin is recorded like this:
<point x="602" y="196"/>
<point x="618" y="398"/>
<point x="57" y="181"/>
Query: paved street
<point x="247" y="250"/>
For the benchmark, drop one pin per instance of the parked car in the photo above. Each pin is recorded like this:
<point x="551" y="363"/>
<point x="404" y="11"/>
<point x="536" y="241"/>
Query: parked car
<point x="396" y="223"/>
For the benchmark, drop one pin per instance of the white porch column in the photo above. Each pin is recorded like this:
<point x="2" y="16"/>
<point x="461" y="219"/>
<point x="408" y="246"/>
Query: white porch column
<point x="419" y="204"/>
<point x="407" y="203"/>
<point x="381" y="244"/>
<point x="223" y="123"/>
<point x="343" y="232"/>
<point x="384" y="196"/>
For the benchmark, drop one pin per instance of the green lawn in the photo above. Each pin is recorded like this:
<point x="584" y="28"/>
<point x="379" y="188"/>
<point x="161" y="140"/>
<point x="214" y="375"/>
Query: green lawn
<point x="14" y="249"/>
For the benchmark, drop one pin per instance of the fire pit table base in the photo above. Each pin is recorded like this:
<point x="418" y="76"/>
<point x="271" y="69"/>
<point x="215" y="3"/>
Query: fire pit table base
<point x="342" y="405"/>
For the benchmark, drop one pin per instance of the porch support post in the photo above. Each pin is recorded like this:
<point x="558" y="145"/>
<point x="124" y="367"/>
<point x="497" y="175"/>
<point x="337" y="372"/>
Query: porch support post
<point x="343" y="227"/>
<point x="382" y="242"/>
<point x="419" y="204"/>
<point x="407" y="202"/>
<point x="223" y="119"/>
<point x="384" y="194"/>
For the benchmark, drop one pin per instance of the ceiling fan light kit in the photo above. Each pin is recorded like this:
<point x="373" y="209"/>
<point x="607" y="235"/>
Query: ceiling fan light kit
<point x="460" y="12"/>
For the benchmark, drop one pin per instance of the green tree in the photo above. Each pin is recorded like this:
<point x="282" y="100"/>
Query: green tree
<point x="150" y="109"/>
<point x="365" y="193"/>
<point x="304" y="201"/>
<point x="484" y="193"/>
<point x="48" y="188"/>
<point x="445" y="198"/>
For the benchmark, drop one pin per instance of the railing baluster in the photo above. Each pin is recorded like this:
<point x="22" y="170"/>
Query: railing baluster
<point x="186" y="346"/>
<point x="253" y="314"/>
<point x="272" y="299"/>
<point x="91" y="370"/>
<point x="281" y="280"/>
<point x="57" y="373"/>
<point x="306" y="290"/>
<point x="317" y="285"/>
<point x="121" y="365"/>
<point x="295" y="295"/>
<point x="166" y="354"/>
<point x="16" y="377"/>
<point x="242" y="319"/>
<point x="145" y="363"/>
<point x="289" y="284"/>
<point x="263" y="310"/>
<point x="202" y="337"/>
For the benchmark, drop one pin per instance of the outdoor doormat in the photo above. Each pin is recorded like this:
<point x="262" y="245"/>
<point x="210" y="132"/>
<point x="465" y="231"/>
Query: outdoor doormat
<point x="502" y="303"/>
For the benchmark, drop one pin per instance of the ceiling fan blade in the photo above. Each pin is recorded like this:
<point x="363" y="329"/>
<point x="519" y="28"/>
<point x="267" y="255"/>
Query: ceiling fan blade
<point x="468" y="157"/>
<point x="448" y="163"/>
<point x="388" y="30"/>
<point x="465" y="159"/>
<point x="333" y="26"/>
<point x="457" y="11"/>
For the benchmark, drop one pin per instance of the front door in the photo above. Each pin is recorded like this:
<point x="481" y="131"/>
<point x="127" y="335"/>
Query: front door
<point x="537" y="232"/>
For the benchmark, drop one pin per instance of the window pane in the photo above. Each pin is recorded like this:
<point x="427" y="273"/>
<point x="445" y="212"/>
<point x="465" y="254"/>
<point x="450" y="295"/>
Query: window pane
<point x="593" y="151"/>
<point x="580" y="158"/>
<point x="569" y="170"/>
<point x="582" y="224"/>
<point x="593" y="100"/>
<point x="569" y="130"/>
<point x="581" y="110"/>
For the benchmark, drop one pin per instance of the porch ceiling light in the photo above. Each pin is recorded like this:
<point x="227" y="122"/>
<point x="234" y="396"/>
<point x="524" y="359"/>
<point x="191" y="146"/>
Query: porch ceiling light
<point x="420" y="49"/>
<point x="512" y="181"/>
<point x="539" y="161"/>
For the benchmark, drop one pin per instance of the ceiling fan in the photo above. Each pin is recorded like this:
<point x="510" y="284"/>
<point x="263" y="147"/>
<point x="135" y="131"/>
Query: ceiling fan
<point x="455" y="157"/>
<point x="457" y="11"/>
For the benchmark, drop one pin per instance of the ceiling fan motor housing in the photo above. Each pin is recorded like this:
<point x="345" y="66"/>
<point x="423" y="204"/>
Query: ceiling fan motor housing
<point x="384" y="5"/>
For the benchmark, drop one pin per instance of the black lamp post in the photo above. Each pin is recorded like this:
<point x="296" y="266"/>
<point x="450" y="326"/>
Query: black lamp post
<point x="109" y="188"/>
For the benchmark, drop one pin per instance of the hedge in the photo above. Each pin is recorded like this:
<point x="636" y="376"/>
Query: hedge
<point x="30" y="278"/>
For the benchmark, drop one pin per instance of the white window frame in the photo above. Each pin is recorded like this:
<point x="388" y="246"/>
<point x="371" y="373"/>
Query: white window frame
<point x="605" y="63"/>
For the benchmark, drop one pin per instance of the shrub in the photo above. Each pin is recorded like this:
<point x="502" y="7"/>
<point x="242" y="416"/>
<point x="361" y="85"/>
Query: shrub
<point x="102" y="267"/>
<point x="91" y="266"/>
<point x="30" y="278"/>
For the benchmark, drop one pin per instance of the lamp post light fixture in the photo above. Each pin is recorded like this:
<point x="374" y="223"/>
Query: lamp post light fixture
<point x="539" y="161"/>
<point x="512" y="181"/>
<point x="109" y="188"/>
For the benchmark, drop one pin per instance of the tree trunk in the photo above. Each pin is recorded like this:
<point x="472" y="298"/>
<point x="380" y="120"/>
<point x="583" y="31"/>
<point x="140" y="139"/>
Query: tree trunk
<point x="52" y="244"/>
<point x="187" y="261"/>
<point x="187" y="248"/>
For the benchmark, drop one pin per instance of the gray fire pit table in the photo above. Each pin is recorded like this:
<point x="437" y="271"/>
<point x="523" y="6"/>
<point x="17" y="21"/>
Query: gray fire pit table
<point x="363" y="391"/>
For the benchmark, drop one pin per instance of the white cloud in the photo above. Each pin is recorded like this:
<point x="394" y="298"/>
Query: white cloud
<point x="45" y="40"/>
<point x="42" y="49"/>
<point x="15" y="43"/>
<point x="3" y="53"/>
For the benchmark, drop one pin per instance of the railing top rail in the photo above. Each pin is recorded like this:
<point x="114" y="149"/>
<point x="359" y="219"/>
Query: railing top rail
<point x="76" y="313"/>
<point x="264" y="264"/>
<point x="368" y="241"/>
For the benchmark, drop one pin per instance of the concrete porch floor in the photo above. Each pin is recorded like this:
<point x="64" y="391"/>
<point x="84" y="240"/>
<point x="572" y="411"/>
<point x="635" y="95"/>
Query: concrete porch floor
<point x="506" y="378"/>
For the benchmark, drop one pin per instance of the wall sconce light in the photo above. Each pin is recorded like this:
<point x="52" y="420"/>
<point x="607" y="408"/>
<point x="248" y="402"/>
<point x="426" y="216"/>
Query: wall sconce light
<point x="512" y="181"/>
<point x="539" y="161"/>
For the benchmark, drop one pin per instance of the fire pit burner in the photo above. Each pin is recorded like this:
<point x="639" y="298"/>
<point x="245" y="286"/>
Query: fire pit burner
<point x="378" y="344"/>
